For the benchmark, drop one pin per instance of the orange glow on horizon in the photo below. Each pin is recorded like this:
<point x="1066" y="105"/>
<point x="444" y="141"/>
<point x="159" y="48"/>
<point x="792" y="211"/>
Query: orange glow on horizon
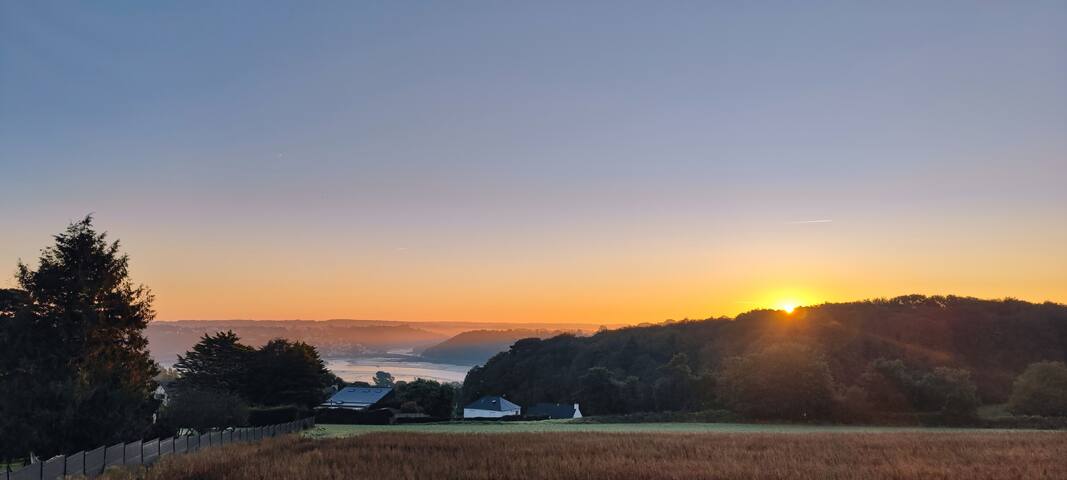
<point x="531" y="279"/>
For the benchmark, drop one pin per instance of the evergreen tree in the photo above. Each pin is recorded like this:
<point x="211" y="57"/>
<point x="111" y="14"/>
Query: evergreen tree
<point x="75" y="369"/>
<point x="217" y="363"/>
<point x="384" y="379"/>
<point x="279" y="373"/>
<point x="288" y="373"/>
<point x="675" y="389"/>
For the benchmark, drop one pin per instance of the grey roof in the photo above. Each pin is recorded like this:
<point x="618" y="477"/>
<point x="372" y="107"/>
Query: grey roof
<point x="551" y="410"/>
<point x="358" y="396"/>
<point x="493" y="403"/>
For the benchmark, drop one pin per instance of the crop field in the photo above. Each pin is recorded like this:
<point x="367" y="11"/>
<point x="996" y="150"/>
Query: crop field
<point x="599" y="455"/>
<point x="338" y="431"/>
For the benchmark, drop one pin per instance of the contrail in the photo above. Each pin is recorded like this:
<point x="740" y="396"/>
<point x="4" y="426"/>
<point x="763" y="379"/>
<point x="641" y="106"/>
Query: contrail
<point x="802" y="222"/>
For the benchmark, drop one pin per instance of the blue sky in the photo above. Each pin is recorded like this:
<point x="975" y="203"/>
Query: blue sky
<point x="517" y="147"/>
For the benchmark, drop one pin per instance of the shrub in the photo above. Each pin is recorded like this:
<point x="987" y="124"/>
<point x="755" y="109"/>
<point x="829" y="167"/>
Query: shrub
<point x="1041" y="390"/>
<point x="953" y="389"/>
<point x="1032" y="422"/>
<point x="890" y="386"/>
<point x="202" y="410"/>
<point x="262" y="416"/>
<point x="158" y="430"/>
<point x="426" y="396"/>
<point x="353" y="417"/>
<point x="409" y="407"/>
<point x="703" y="416"/>
<point x="852" y="405"/>
<point x="406" y="420"/>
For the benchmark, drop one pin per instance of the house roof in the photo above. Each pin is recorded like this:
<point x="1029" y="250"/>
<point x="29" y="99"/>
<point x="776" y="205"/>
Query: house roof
<point x="365" y="396"/>
<point x="493" y="403"/>
<point x="551" y="410"/>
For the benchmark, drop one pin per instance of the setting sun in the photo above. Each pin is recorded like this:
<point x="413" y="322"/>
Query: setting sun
<point x="789" y="298"/>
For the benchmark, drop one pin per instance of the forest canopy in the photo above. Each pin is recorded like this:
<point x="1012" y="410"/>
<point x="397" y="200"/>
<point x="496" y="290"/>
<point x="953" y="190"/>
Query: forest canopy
<point x="911" y="353"/>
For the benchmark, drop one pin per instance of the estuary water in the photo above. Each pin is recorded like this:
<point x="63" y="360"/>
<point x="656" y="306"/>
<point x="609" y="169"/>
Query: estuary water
<point x="407" y="369"/>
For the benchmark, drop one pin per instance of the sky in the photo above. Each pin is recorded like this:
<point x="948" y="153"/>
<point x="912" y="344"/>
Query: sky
<point x="613" y="162"/>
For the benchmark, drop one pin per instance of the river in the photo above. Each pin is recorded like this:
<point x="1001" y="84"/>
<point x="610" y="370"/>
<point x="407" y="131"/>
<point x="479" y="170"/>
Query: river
<point x="407" y="369"/>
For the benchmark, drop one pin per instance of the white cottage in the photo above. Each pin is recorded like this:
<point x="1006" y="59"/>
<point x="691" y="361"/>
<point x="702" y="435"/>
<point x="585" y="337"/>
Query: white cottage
<point x="491" y="407"/>
<point x="161" y="395"/>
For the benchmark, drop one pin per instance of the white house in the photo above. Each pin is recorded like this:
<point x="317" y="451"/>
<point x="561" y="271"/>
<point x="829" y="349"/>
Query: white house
<point x="554" y="410"/>
<point x="161" y="395"/>
<point x="164" y="399"/>
<point x="491" y="407"/>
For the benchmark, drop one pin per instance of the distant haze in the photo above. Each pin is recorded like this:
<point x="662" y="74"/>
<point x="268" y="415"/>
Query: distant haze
<point x="351" y="339"/>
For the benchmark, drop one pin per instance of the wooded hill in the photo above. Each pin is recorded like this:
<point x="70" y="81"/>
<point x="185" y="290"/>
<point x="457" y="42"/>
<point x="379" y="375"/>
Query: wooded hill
<point x="994" y="339"/>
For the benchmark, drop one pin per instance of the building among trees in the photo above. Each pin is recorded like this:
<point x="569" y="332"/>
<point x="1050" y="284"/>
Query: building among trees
<point x="359" y="398"/>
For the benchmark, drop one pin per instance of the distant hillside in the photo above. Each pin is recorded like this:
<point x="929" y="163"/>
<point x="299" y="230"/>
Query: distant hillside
<point x="343" y="338"/>
<point x="455" y="328"/>
<point x="994" y="339"/>
<point x="475" y="347"/>
<point x="333" y="338"/>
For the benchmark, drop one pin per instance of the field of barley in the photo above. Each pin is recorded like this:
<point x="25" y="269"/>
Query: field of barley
<point x="569" y="426"/>
<point x="598" y="455"/>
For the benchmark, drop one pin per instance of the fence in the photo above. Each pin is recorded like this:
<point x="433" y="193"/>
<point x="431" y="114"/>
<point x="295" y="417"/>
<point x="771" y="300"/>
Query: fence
<point x="93" y="462"/>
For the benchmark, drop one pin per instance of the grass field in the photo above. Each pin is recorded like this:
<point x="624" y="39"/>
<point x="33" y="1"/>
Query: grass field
<point x="595" y="456"/>
<point x="340" y="431"/>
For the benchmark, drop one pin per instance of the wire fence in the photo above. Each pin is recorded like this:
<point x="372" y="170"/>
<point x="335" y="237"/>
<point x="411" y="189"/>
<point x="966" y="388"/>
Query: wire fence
<point x="92" y="463"/>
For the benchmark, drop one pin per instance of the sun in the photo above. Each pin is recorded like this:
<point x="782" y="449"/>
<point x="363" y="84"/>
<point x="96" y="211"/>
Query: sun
<point x="788" y="300"/>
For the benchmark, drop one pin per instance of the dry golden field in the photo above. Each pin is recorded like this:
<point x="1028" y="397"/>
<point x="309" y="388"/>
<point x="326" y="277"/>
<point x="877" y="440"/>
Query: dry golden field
<point x="593" y="456"/>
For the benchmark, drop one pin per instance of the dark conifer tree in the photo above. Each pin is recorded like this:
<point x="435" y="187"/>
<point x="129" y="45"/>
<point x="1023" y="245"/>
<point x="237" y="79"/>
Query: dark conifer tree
<point x="281" y="372"/>
<point x="75" y="368"/>
<point x="288" y="373"/>
<point x="218" y="363"/>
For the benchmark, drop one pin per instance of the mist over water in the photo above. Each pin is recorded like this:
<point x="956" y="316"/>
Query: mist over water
<point x="363" y="369"/>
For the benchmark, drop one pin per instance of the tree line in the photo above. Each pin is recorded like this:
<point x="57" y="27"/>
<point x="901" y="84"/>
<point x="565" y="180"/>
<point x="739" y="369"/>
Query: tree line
<point x="222" y="382"/>
<point x="858" y="361"/>
<point x="75" y="371"/>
